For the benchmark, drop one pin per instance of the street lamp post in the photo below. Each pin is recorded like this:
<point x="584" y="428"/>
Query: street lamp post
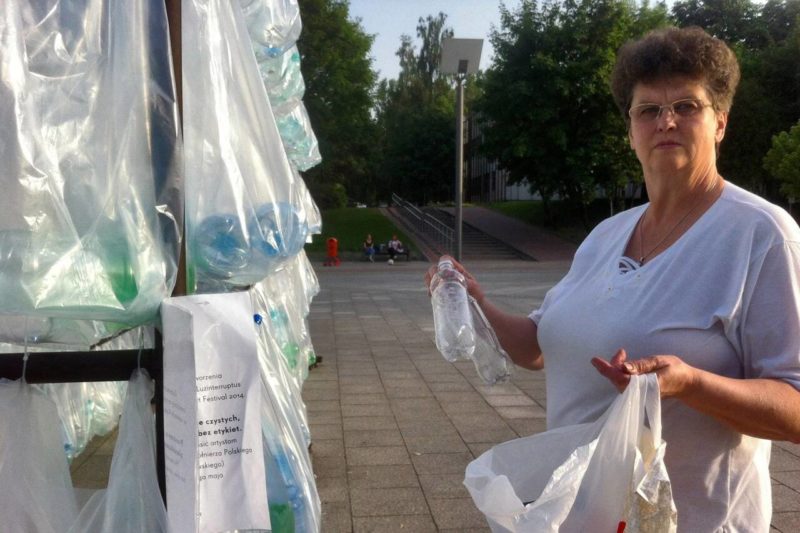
<point x="460" y="57"/>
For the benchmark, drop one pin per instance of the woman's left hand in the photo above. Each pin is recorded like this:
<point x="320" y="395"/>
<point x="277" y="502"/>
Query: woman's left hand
<point x="675" y="377"/>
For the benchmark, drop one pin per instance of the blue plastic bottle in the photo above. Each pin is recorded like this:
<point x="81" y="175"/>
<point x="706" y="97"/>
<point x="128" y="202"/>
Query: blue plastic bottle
<point x="277" y="231"/>
<point x="220" y="248"/>
<point x="281" y="514"/>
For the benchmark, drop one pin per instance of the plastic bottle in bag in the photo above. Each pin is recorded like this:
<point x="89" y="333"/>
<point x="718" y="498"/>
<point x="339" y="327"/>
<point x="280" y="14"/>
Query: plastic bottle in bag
<point x="452" y="319"/>
<point x="281" y="515"/>
<point x="280" y="327"/>
<point x="221" y="248"/>
<point x="277" y="231"/>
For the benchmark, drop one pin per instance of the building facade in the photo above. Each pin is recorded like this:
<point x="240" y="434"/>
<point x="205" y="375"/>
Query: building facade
<point x="484" y="180"/>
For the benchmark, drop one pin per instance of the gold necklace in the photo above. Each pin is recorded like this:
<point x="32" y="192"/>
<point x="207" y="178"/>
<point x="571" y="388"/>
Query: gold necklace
<point x="640" y="225"/>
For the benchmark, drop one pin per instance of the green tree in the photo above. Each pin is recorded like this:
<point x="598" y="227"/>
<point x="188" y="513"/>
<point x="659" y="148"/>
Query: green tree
<point x="431" y="31"/>
<point x="553" y="121"/>
<point x="736" y="22"/>
<point x="767" y="43"/>
<point x="339" y="79"/>
<point x="783" y="161"/>
<point x="416" y="120"/>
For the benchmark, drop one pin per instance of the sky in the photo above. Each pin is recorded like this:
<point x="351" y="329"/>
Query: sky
<point x="389" y="19"/>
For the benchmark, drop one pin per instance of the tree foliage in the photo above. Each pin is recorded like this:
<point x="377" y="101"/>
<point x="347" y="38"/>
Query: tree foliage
<point x="733" y="21"/>
<point x="416" y="120"/>
<point x="552" y="118"/>
<point x="766" y="40"/>
<point x="783" y="161"/>
<point x="339" y="79"/>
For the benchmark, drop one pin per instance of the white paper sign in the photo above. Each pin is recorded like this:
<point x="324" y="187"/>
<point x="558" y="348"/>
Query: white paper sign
<point x="230" y="478"/>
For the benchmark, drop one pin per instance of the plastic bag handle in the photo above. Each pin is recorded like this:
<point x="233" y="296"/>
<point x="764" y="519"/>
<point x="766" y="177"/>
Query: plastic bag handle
<point x="652" y="406"/>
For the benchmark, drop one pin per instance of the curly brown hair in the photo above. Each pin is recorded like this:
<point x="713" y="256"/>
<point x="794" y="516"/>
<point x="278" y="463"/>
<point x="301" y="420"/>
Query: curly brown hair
<point x="667" y="52"/>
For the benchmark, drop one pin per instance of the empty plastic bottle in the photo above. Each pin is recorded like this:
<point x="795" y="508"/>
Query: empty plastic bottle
<point x="452" y="319"/>
<point x="280" y="329"/>
<point x="278" y="231"/>
<point x="220" y="246"/>
<point x="492" y="367"/>
<point x="224" y="250"/>
<point x="114" y="253"/>
<point x="281" y="514"/>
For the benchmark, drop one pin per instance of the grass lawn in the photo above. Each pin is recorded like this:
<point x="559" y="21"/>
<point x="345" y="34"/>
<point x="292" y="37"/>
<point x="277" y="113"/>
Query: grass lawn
<point x="569" y="225"/>
<point x="350" y="226"/>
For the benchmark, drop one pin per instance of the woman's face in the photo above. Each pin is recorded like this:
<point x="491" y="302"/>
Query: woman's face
<point x="672" y="143"/>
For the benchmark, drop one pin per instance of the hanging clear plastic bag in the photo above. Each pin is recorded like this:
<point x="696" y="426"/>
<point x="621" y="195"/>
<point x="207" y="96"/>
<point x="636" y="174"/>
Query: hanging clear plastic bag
<point x="607" y="475"/>
<point x="36" y="491"/>
<point x="132" y="502"/>
<point x="245" y="207"/>
<point x="292" y="490"/>
<point x="89" y="213"/>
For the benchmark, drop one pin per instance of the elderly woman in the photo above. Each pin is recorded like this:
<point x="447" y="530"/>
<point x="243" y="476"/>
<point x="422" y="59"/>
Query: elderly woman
<point x="700" y="286"/>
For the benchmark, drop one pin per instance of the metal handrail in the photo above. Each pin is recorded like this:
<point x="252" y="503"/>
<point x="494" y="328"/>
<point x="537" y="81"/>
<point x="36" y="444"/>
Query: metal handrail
<point x="425" y="224"/>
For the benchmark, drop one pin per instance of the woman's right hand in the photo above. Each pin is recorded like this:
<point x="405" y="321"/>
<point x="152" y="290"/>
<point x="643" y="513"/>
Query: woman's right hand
<point x="473" y="287"/>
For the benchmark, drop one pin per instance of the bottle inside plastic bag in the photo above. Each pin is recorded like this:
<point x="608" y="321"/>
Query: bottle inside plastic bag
<point x="224" y="252"/>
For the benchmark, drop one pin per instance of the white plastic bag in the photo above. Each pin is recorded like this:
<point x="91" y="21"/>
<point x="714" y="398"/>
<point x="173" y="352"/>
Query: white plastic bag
<point x="132" y="502"/>
<point x="35" y="487"/>
<point x="587" y="477"/>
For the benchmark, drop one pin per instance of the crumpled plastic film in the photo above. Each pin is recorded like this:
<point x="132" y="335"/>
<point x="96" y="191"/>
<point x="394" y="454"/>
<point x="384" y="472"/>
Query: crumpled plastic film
<point x="89" y="214"/>
<point x="286" y="371"/>
<point x="298" y="138"/>
<point x="274" y="25"/>
<point x="283" y="79"/>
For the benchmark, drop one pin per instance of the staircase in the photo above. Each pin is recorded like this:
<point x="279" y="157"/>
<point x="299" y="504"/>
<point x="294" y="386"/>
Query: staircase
<point x="476" y="245"/>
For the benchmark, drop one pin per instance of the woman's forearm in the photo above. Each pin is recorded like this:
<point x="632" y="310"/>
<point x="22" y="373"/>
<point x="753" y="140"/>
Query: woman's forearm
<point x="517" y="335"/>
<point x="764" y="408"/>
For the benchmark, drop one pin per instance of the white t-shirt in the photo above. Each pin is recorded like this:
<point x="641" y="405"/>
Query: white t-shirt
<point x="725" y="298"/>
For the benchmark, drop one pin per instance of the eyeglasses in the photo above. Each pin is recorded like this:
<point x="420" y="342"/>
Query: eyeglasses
<point x="679" y="108"/>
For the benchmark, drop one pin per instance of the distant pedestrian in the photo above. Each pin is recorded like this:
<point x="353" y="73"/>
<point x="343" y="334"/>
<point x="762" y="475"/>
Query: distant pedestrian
<point x="369" y="247"/>
<point x="394" y="248"/>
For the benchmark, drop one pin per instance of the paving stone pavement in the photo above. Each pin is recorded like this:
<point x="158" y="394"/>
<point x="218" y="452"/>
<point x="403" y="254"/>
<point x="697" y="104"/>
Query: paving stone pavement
<point x="393" y="425"/>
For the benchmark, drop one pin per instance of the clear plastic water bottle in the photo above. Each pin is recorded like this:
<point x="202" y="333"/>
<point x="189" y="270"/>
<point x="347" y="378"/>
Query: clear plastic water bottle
<point x="280" y="329"/>
<point x="220" y="247"/>
<point x="224" y="252"/>
<point x="452" y="319"/>
<point x="492" y="367"/>
<point x="115" y="255"/>
<point x="278" y="231"/>
<point x="491" y="361"/>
